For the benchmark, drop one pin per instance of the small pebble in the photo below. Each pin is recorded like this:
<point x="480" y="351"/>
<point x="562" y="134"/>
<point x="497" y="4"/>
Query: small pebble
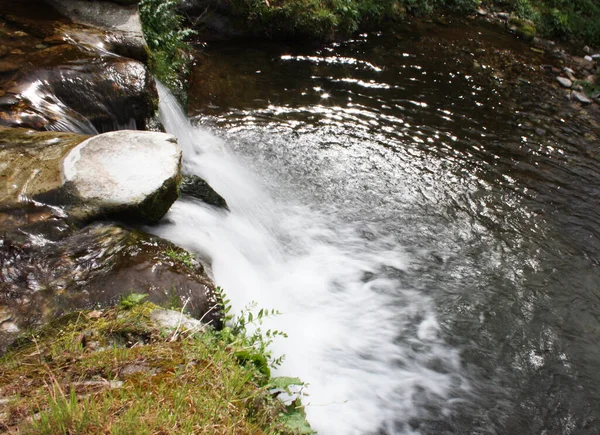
<point x="564" y="82"/>
<point x="578" y="96"/>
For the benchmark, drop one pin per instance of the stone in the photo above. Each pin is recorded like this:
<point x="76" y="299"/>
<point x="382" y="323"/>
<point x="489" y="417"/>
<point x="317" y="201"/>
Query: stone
<point x="587" y="49"/>
<point x="578" y="96"/>
<point x="503" y="15"/>
<point x="129" y="174"/>
<point x="589" y="58"/>
<point x="120" y="23"/>
<point x="92" y="268"/>
<point x="173" y="320"/>
<point x="112" y="94"/>
<point x="30" y="163"/>
<point x="481" y="12"/>
<point x="196" y="187"/>
<point x="570" y="73"/>
<point x="6" y="66"/>
<point x="63" y="83"/>
<point x="564" y="82"/>
<point x="101" y="14"/>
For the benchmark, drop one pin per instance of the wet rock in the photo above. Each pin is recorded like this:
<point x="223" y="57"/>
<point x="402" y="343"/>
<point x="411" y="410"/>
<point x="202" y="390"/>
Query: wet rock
<point x="564" y="82"/>
<point x="94" y="267"/>
<point x="6" y="66"/>
<point x="76" y="77"/>
<point x="81" y="94"/>
<point x="102" y="14"/>
<point x="196" y="187"/>
<point x="30" y="163"/>
<point x="121" y="23"/>
<point x="129" y="174"/>
<point x="481" y="12"/>
<point x="580" y="97"/>
<point x="90" y="177"/>
<point x="110" y="93"/>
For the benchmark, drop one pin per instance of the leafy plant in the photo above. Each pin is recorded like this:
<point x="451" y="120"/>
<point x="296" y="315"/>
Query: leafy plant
<point x="131" y="300"/>
<point x="181" y="256"/>
<point x="170" y="55"/>
<point x="244" y="334"/>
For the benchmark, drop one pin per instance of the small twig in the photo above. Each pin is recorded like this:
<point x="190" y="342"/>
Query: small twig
<point x="176" y="333"/>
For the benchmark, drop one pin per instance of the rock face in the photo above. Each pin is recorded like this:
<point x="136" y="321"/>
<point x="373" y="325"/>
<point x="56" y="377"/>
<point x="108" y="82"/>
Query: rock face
<point x="65" y="76"/>
<point x="129" y="174"/>
<point x="120" y="20"/>
<point x="30" y="163"/>
<point x="196" y="187"/>
<point x="90" y="268"/>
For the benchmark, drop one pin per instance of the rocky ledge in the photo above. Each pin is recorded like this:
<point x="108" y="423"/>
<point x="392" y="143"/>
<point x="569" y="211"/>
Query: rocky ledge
<point x="68" y="70"/>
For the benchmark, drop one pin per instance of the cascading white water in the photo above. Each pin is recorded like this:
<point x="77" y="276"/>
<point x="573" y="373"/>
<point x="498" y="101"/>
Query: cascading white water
<point x="369" y="350"/>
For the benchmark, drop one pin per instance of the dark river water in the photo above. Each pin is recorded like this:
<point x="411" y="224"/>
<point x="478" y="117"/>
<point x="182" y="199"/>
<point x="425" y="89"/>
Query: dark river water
<point x="466" y="192"/>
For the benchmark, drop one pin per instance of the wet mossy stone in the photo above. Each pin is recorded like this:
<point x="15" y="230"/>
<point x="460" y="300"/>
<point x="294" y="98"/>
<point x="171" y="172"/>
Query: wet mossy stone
<point x="128" y="174"/>
<point x="95" y="267"/>
<point x="196" y="187"/>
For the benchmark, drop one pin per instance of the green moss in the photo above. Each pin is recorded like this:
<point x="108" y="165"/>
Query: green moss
<point x="96" y="372"/>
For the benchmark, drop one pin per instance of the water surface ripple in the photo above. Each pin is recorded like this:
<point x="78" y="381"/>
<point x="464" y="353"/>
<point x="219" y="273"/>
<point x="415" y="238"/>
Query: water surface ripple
<point x="426" y="218"/>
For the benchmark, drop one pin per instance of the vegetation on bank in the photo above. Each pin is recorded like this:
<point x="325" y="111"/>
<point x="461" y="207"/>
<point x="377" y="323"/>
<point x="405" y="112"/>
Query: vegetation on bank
<point x="116" y="371"/>
<point x="321" y="20"/>
<point x="169" y="54"/>
<point x="324" y="19"/>
<point x="562" y="19"/>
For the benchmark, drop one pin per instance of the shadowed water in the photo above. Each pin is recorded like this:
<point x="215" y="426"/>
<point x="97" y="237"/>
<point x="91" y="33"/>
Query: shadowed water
<point x="422" y="209"/>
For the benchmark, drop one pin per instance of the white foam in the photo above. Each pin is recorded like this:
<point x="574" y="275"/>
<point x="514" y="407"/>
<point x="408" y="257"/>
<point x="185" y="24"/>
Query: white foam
<point x="363" y="343"/>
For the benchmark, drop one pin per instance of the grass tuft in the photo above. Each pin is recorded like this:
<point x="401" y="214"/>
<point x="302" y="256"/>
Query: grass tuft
<point x="114" y="371"/>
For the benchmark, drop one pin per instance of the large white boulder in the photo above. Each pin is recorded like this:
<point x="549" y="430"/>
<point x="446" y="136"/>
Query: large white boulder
<point x="127" y="174"/>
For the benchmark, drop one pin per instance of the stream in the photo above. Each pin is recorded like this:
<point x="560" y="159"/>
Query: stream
<point x="425" y="220"/>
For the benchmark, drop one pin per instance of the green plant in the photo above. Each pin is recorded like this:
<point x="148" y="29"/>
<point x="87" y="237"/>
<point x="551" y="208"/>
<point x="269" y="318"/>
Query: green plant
<point x="166" y="37"/>
<point x="244" y="334"/>
<point x="181" y="255"/>
<point x="131" y="300"/>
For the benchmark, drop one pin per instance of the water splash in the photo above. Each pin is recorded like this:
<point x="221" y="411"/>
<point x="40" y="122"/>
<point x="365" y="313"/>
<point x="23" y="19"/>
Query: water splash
<point x="370" y="350"/>
<point x="63" y="118"/>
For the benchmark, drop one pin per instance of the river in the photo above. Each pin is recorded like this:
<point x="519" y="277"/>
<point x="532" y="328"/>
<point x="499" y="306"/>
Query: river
<point x="422" y="209"/>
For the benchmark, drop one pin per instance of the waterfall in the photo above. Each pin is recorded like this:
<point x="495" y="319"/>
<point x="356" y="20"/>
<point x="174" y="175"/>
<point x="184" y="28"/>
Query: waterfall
<point x="370" y="350"/>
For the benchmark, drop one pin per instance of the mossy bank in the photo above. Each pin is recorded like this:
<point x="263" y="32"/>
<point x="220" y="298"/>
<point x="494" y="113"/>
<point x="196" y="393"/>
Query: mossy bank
<point x="138" y="369"/>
